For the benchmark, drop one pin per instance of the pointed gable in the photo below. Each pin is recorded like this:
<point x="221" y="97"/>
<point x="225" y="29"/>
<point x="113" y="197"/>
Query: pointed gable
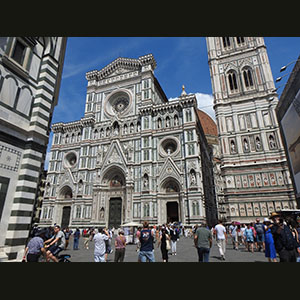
<point x="170" y="169"/>
<point x="114" y="155"/>
<point x="122" y="65"/>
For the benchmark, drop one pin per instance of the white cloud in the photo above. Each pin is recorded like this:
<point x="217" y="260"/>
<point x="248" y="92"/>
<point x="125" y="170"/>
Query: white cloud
<point x="205" y="103"/>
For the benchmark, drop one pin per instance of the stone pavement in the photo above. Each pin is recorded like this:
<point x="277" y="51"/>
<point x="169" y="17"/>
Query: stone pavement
<point x="186" y="252"/>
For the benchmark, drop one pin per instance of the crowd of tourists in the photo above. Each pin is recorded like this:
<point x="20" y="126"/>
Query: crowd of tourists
<point x="277" y="237"/>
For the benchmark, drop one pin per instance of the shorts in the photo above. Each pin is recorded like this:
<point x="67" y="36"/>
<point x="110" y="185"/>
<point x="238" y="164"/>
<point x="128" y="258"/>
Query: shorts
<point x="146" y="256"/>
<point x="260" y="238"/>
<point x="33" y="257"/>
<point x="54" y="249"/>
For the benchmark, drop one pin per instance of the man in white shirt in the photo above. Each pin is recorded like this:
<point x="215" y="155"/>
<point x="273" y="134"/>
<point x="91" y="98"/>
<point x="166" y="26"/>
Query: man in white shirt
<point x="100" y="247"/>
<point x="221" y="237"/>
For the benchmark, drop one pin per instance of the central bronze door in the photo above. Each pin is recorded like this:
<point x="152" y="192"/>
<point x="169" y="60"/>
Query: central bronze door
<point x="66" y="216"/>
<point x="172" y="212"/>
<point x="115" y="212"/>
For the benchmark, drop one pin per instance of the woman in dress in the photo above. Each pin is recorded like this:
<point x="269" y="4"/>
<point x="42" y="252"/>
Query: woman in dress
<point x="163" y="242"/>
<point x="270" y="251"/>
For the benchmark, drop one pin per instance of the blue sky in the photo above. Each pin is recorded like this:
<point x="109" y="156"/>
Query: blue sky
<point x="180" y="60"/>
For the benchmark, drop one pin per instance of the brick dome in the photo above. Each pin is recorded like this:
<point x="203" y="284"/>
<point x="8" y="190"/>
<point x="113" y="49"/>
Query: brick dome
<point x="208" y="124"/>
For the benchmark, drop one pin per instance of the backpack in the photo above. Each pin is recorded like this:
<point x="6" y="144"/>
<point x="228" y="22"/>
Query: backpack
<point x="259" y="228"/>
<point x="288" y="239"/>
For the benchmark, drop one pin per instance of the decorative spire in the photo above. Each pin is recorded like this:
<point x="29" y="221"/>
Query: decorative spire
<point x="183" y="93"/>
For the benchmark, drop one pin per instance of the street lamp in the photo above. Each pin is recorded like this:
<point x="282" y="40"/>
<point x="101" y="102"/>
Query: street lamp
<point x="275" y="90"/>
<point x="284" y="67"/>
<point x="279" y="78"/>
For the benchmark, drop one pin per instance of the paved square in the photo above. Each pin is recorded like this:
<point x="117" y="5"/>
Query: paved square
<point x="186" y="252"/>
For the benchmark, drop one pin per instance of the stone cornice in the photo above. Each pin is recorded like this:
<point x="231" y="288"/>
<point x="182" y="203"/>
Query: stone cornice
<point x="177" y="104"/>
<point x="73" y="126"/>
<point x="121" y="62"/>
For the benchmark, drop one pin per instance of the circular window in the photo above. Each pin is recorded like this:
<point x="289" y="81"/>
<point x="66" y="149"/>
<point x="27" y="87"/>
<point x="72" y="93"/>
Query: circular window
<point x="169" y="146"/>
<point x="70" y="159"/>
<point x="118" y="103"/>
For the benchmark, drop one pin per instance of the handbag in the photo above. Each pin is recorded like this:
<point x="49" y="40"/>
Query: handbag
<point x="168" y="246"/>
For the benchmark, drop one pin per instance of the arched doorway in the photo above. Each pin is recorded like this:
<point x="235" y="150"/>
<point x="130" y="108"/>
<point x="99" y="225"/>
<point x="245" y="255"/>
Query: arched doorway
<point x="171" y="196"/>
<point x="115" y="190"/>
<point x="66" y="194"/>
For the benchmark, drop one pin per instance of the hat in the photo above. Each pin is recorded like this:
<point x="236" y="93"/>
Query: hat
<point x="267" y="220"/>
<point x="274" y="214"/>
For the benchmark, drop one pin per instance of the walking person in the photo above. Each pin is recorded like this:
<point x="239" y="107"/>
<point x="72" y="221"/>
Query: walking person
<point x="100" y="247"/>
<point x="233" y="233"/>
<point x="254" y="235"/>
<point x="163" y="240"/>
<point x="243" y="228"/>
<point x="108" y="250"/>
<point x="76" y="239"/>
<point x="67" y="233"/>
<point x="221" y="238"/>
<point x="203" y="242"/>
<point x="34" y="249"/>
<point x="239" y="236"/>
<point x="120" y="244"/>
<point x="146" y="248"/>
<point x="260" y="235"/>
<point x="249" y="237"/>
<point x="174" y="237"/>
<point x="270" y="251"/>
<point x="86" y="238"/>
<point x="285" y="243"/>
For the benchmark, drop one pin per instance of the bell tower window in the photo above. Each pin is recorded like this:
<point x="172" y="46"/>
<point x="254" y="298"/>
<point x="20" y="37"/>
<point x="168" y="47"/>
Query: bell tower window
<point x="248" y="80"/>
<point x="226" y="42"/>
<point x="232" y="80"/>
<point x="240" y="40"/>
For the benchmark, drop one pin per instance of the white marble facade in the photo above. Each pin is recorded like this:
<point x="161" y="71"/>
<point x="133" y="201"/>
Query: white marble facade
<point x="134" y="155"/>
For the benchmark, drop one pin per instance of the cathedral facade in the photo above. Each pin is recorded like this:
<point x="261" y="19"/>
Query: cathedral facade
<point x="134" y="156"/>
<point x="253" y="166"/>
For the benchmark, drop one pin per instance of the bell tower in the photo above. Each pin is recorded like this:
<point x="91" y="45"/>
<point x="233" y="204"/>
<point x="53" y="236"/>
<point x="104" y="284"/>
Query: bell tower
<point x="253" y="162"/>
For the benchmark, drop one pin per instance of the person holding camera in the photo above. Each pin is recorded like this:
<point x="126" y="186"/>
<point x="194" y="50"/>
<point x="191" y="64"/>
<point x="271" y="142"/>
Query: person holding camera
<point x="285" y="243"/>
<point x="100" y="246"/>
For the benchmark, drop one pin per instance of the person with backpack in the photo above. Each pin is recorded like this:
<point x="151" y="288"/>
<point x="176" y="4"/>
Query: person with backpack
<point x="260" y="235"/>
<point x="76" y="239"/>
<point x="285" y="243"/>
<point x="146" y="248"/>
